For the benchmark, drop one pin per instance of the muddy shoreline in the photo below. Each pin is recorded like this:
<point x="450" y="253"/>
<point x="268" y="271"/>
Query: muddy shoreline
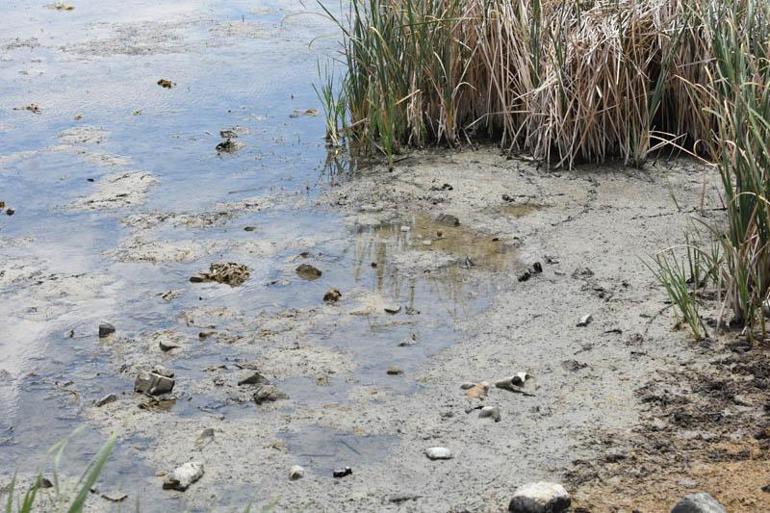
<point x="452" y="269"/>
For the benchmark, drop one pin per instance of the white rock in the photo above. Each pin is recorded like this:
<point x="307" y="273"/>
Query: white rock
<point x="296" y="472"/>
<point x="492" y="412"/>
<point x="585" y="320"/>
<point x="541" y="497"/>
<point x="698" y="503"/>
<point x="438" y="453"/>
<point x="182" y="477"/>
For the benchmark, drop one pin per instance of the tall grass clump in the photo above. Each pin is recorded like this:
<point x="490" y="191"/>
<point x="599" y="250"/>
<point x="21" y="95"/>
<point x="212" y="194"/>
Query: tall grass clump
<point x="28" y="502"/>
<point x="740" y="103"/>
<point x="565" y="80"/>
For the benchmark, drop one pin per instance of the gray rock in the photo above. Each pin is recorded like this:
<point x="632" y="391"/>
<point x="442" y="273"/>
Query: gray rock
<point x="206" y="436"/>
<point x="438" y="453"/>
<point x="296" y="472"/>
<point x="182" y="477"/>
<point x="269" y="393"/>
<point x="308" y="272"/>
<point x="107" y="399"/>
<point x="167" y="345"/>
<point x="541" y="497"/>
<point x="393" y="309"/>
<point x="106" y="329"/>
<point x="492" y="412"/>
<point x="151" y="383"/>
<point x="585" y="320"/>
<point x="698" y="503"/>
<point x="163" y="371"/>
<point x="254" y="379"/>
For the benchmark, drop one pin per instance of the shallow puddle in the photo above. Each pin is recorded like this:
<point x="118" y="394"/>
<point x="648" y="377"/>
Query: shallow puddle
<point x="120" y="196"/>
<point x="323" y="450"/>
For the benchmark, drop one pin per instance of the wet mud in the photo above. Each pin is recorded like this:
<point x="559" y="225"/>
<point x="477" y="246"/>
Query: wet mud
<point x="121" y="194"/>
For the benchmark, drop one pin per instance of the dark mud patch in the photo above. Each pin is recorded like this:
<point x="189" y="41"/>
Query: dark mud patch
<point x="702" y="429"/>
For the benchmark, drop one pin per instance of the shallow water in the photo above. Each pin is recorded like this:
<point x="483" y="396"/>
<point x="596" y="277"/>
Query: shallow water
<point x="93" y="73"/>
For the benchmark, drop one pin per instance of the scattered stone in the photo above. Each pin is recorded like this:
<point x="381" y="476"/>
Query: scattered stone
<point x="167" y="344"/>
<point x="332" y="296"/>
<point x="206" y="436"/>
<point x="508" y="384"/>
<point x="249" y="228"/>
<point x="448" y="220"/>
<point x="32" y="107"/>
<point x="44" y="482"/>
<point x="540" y="497"/>
<point x="393" y="309"/>
<point x="269" y="393"/>
<point x="61" y="6"/>
<point x="478" y="391"/>
<point x="228" y="273"/>
<point x="492" y="412"/>
<point x="166" y="84"/>
<point x="229" y="146"/>
<point x="526" y="275"/>
<point x="152" y="383"/>
<point x="182" y="477"/>
<point x="106" y="329"/>
<point x="698" y="503"/>
<point x="520" y="378"/>
<point x="537" y="268"/>
<point x="163" y="371"/>
<point x="585" y="321"/>
<point x="409" y="340"/>
<point x="254" y="379"/>
<point x="308" y="272"/>
<point x="296" y="472"/>
<point x="394" y="371"/>
<point x="467" y="385"/>
<point x="438" y="453"/>
<point x="405" y="228"/>
<point x="9" y="211"/>
<point x="342" y="472"/>
<point x="107" y="399"/>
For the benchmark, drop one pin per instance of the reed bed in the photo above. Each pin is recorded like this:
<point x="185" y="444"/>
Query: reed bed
<point x="566" y="81"/>
<point x="571" y="81"/>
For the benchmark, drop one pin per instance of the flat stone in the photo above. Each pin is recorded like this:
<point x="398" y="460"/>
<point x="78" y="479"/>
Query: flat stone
<point x="585" y="320"/>
<point x="541" y="497"/>
<point x="106" y="329"/>
<point x="269" y="393"/>
<point x="107" y="399"/>
<point x="182" y="477"/>
<point x="478" y="391"/>
<point x="332" y="296"/>
<point x="492" y="412"/>
<point x="698" y="503"/>
<point x="394" y="371"/>
<point x="438" y="453"/>
<point x="254" y="379"/>
<point x="342" y="472"/>
<point x="296" y="472"/>
<point x="163" y="371"/>
<point x="308" y="272"/>
<point x="393" y="309"/>
<point x="150" y="383"/>
<point x="167" y="345"/>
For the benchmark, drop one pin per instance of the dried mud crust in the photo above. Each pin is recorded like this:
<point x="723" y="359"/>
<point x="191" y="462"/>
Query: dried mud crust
<point x="705" y="428"/>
